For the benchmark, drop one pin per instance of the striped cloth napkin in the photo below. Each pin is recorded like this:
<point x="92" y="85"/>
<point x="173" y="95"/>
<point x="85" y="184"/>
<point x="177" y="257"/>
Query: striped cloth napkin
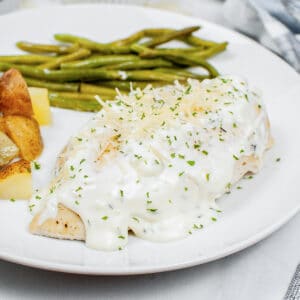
<point x="275" y="24"/>
<point x="293" y="292"/>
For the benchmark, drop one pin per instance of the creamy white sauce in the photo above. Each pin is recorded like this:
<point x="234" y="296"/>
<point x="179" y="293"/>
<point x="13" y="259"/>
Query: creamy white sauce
<point x="155" y="161"/>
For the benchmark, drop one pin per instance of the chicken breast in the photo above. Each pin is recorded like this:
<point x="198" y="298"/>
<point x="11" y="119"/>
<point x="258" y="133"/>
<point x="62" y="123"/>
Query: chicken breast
<point x="154" y="162"/>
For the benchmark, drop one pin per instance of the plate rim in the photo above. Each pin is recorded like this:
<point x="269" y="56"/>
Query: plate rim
<point x="224" y="252"/>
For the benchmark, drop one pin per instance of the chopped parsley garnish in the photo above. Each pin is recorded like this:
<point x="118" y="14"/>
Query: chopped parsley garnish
<point x="104" y="218"/>
<point x="204" y="152"/>
<point x="136" y="219"/>
<point x="12" y="200"/>
<point x="31" y="207"/>
<point x="181" y="173"/>
<point x="173" y="155"/>
<point x="181" y="156"/>
<point x="121" y="237"/>
<point x="82" y="161"/>
<point x="278" y="159"/>
<point x="235" y="157"/>
<point x="36" y="165"/>
<point x="207" y="176"/>
<point x="213" y="219"/>
<point x="191" y="162"/>
<point x="121" y="193"/>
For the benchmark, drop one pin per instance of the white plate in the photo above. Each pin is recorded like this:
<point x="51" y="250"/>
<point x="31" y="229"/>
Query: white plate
<point x="262" y="206"/>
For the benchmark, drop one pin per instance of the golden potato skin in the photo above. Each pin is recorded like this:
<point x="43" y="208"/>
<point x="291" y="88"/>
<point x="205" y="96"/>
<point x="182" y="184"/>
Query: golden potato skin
<point x="21" y="166"/>
<point x="2" y="124"/>
<point x="16" y="180"/>
<point x="8" y="149"/>
<point x="25" y="133"/>
<point x="14" y="95"/>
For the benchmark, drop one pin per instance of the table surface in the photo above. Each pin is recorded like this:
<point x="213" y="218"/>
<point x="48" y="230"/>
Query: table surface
<point x="262" y="271"/>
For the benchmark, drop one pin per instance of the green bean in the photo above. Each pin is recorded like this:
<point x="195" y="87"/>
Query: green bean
<point x="187" y="59"/>
<point x="25" y="59"/>
<point x="74" y="102"/>
<point x="182" y="72"/>
<point x="133" y="38"/>
<point x="92" y="45"/>
<point x="140" y="64"/>
<point x="69" y="87"/>
<point x="193" y="60"/>
<point x="44" y="48"/>
<point x="99" y="61"/>
<point x="80" y="96"/>
<point x="212" y="50"/>
<point x="90" y="74"/>
<point x="170" y="36"/>
<point x="81" y="53"/>
<point x="96" y="89"/>
<point x="176" y="52"/>
<point x="196" y="41"/>
<point x="126" y="85"/>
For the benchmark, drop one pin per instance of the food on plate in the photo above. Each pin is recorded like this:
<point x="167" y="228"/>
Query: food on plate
<point x="8" y="149"/>
<point x="154" y="162"/>
<point x="41" y="106"/>
<point x="139" y="59"/>
<point x="16" y="181"/>
<point x="25" y="133"/>
<point x="14" y="95"/>
<point x="20" y="137"/>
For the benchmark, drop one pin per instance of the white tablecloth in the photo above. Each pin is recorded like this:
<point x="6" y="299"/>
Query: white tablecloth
<point x="260" y="272"/>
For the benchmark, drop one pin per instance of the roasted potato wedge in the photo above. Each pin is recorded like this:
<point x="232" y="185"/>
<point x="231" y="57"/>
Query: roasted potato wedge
<point x="2" y="124"/>
<point x="16" y="180"/>
<point x="8" y="149"/>
<point x="14" y="95"/>
<point x="25" y="133"/>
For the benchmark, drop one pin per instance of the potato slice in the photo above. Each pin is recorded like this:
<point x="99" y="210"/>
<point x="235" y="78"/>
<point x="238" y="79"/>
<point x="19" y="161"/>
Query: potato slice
<point x="25" y="133"/>
<point x="16" y="181"/>
<point x="14" y="95"/>
<point x="41" y="105"/>
<point x="8" y="150"/>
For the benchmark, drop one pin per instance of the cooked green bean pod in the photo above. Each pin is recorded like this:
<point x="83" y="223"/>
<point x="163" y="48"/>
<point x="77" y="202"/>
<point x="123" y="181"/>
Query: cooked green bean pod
<point x="53" y="64"/>
<point x="25" y="59"/>
<point x="99" y="61"/>
<point x="182" y="72"/>
<point x="209" y="52"/>
<point x="126" y="85"/>
<point x="140" y="64"/>
<point x="68" y="87"/>
<point x="90" y="74"/>
<point x="96" y="89"/>
<point x="170" y="36"/>
<point x="44" y="48"/>
<point x="72" y="101"/>
<point x="92" y="45"/>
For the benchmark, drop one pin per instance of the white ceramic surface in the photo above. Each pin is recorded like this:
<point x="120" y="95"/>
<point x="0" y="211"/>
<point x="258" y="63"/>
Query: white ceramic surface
<point x="262" y="206"/>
